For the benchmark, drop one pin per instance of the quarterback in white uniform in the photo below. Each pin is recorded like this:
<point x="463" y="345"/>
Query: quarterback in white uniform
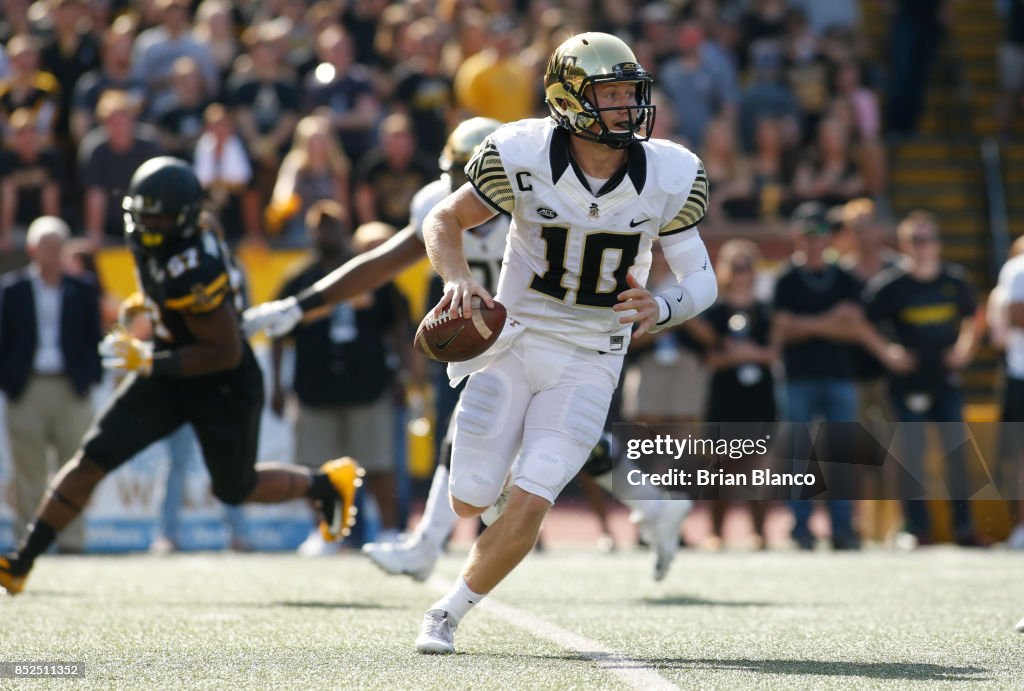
<point x="588" y="194"/>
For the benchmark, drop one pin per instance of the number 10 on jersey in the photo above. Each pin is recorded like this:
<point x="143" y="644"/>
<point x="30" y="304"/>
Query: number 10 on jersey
<point x="589" y="274"/>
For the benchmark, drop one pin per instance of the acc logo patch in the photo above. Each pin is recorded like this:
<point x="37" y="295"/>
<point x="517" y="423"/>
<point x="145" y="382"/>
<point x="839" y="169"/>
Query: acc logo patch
<point x="546" y="212"/>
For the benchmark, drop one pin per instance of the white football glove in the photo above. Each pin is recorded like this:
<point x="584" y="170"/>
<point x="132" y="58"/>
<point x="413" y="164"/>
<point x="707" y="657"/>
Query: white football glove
<point x="125" y="354"/>
<point x="276" y="318"/>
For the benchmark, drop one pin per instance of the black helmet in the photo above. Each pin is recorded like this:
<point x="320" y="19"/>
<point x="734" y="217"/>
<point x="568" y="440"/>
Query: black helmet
<point x="162" y="205"/>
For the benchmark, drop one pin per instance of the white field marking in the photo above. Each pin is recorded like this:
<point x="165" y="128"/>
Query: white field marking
<point x="630" y="672"/>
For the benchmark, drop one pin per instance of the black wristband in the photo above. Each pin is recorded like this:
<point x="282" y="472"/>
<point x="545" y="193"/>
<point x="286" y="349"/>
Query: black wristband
<point x="167" y="363"/>
<point x="310" y="299"/>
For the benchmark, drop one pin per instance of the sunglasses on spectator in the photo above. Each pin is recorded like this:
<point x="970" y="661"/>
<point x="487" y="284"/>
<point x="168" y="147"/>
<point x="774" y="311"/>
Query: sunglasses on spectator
<point x="919" y="240"/>
<point x="741" y="267"/>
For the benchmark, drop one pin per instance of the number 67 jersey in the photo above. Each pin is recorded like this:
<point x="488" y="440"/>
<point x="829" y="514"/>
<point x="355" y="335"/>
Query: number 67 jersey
<point x="571" y="246"/>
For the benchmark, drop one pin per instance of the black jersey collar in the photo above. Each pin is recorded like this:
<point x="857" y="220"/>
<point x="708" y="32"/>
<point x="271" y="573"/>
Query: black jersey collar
<point x="561" y="160"/>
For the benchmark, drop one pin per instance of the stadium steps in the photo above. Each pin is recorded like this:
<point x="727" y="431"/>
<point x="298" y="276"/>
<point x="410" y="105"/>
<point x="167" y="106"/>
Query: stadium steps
<point x="943" y="175"/>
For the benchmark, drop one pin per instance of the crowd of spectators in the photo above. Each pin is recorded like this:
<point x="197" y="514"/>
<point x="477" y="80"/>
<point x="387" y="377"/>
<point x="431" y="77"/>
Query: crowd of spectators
<point x="284" y="102"/>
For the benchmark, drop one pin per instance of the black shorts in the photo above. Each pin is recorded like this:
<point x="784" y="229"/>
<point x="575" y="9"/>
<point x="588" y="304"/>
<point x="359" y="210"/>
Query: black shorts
<point x="224" y="409"/>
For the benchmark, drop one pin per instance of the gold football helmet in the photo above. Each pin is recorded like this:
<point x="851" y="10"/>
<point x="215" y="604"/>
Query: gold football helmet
<point x="586" y="60"/>
<point x="462" y="144"/>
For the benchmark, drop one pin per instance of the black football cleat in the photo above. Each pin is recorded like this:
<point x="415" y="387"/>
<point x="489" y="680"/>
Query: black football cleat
<point x="339" y="515"/>
<point x="11" y="580"/>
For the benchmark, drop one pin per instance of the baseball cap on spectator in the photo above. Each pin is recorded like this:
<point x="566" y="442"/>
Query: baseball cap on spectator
<point x="811" y="218"/>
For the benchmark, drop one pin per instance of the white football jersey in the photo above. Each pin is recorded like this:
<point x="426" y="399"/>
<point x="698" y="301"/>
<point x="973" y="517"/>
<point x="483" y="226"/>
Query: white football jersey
<point x="569" y="247"/>
<point x="483" y="246"/>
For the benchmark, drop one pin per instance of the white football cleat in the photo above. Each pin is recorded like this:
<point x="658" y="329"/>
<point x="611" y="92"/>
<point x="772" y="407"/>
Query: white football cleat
<point x="666" y="532"/>
<point x="1016" y="539"/>
<point x="316" y="546"/>
<point x="412" y="557"/>
<point x="1020" y="626"/>
<point x="437" y="635"/>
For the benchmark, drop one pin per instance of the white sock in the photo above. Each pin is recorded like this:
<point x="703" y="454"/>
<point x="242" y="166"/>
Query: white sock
<point x="438" y="517"/>
<point x="458" y="601"/>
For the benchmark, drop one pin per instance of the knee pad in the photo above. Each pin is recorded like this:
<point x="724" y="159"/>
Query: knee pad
<point x="588" y="408"/>
<point x="480" y="404"/>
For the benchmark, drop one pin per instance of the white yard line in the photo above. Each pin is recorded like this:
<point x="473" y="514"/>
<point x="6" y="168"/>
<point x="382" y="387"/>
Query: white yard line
<point x="630" y="671"/>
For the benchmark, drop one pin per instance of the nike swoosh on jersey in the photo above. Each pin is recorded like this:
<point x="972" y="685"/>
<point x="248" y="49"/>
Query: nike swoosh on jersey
<point x="441" y="345"/>
<point x="634" y="223"/>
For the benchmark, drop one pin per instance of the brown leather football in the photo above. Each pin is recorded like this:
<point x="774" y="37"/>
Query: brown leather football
<point x="453" y="340"/>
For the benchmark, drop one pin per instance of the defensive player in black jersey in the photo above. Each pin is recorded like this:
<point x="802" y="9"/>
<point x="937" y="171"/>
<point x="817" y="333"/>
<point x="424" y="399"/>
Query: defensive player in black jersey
<point x="198" y="370"/>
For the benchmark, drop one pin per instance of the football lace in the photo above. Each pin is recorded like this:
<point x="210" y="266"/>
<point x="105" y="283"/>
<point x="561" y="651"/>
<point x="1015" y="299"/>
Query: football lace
<point x="437" y="320"/>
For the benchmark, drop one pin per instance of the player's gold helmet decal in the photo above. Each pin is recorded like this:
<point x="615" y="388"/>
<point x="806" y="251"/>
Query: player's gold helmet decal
<point x="584" y="61"/>
<point x="462" y="143"/>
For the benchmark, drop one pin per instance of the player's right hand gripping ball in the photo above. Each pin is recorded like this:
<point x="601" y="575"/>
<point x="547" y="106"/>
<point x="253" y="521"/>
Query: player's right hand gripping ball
<point x="443" y="338"/>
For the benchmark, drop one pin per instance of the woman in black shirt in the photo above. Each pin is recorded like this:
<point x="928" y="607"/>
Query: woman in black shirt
<point x="742" y="388"/>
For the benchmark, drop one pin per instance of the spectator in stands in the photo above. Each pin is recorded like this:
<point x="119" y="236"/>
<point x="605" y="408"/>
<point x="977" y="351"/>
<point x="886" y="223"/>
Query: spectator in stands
<point x="766" y="96"/>
<point x="389" y="42"/>
<point x="728" y="172"/>
<point x="822" y="16"/>
<point x="916" y="32"/>
<point x="215" y="28"/>
<point x="223" y="168"/>
<point x="829" y="172"/>
<point x="701" y="84"/>
<point x="1011" y="64"/>
<point x="741" y="388"/>
<point x="817" y="314"/>
<point x="868" y="255"/>
<point x="342" y="90"/>
<point x="806" y="70"/>
<point x="389" y="176"/>
<point x="493" y="83"/>
<point x="49" y="333"/>
<point x="931" y="310"/>
<point x="265" y="104"/>
<point x="763" y="20"/>
<point x="342" y="378"/>
<point x="68" y="53"/>
<point x="14" y="20"/>
<point x="316" y="168"/>
<point x="771" y="170"/>
<point x="157" y="48"/>
<point x="423" y="91"/>
<point x="28" y="86"/>
<point x="30" y="178"/>
<point x="107" y="158"/>
<point x="114" y="74"/>
<point x="858" y="106"/>
<point x="179" y="115"/>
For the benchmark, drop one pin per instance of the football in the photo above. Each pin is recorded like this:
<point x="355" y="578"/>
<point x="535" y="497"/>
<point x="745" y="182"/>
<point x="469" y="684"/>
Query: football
<point x="453" y="340"/>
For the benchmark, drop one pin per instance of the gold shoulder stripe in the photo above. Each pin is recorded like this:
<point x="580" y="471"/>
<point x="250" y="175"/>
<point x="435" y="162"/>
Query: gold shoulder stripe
<point x="487" y="174"/>
<point x="693" y="209"/>
<point x="209" y="305"/>
<point x="201" y="295"/>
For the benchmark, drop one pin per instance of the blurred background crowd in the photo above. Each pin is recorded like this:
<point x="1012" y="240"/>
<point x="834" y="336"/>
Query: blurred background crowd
<point x="823" y="127"/>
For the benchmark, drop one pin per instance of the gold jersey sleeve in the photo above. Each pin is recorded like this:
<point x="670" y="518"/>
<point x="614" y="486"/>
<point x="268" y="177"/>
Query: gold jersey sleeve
<point x="486" y="173"/>
<point x="693" y="210"/>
